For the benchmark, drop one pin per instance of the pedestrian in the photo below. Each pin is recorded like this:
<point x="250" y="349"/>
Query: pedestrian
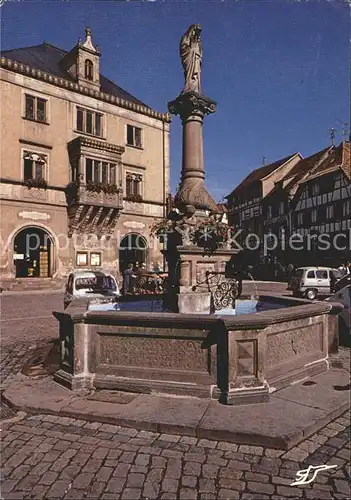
<point x="290" y="271"/>
<point x="128" y="277"/>
<point x="333" y="280"/>
<point x="344" y="269"/>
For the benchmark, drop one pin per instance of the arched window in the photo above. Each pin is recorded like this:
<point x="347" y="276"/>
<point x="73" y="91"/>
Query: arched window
<point x="88" y="69"/>
<point x="133" y="249"/>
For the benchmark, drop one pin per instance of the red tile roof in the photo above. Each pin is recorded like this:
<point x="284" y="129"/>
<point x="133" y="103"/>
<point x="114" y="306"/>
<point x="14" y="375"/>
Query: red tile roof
<point x="222" y="207"/>
<point x="260" y="173"/>
<point x="338" y="157"/>
<point x="302" y="168"/>
<point x="346" y="159"/>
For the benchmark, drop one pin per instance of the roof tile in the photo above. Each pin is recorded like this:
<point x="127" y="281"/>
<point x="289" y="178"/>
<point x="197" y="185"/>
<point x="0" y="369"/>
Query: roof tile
<point x="260" y="173"/>
<point x="47" y="57"/>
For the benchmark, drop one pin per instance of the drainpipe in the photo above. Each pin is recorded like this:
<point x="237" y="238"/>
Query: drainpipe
<point x="164" y="168"/>
<point x="290" y="222"/>
<point x="164" y="179"/>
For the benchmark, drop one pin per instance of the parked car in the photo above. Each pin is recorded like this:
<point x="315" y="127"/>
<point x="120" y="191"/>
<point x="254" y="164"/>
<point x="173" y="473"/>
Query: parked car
<point x="96" y="285"/>
<point x="312" y="281"/>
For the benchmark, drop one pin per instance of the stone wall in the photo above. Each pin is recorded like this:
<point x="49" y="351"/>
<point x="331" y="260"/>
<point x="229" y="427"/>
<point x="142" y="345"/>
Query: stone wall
<point x="238" y="359"/>
<point x="47" y="208"/>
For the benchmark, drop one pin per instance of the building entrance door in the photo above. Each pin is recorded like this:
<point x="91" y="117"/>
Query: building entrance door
<point x="32" y="253"/>
<point x="132" y="250"/>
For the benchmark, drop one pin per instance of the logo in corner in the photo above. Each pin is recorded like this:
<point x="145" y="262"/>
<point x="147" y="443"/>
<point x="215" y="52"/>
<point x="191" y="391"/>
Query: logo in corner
<point x="302" y="475"/>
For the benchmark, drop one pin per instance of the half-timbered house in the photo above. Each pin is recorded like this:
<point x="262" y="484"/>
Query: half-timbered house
<point x="321" y="208"/>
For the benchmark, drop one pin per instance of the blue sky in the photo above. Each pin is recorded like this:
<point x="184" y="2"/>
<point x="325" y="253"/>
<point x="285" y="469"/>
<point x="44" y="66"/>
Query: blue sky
<point x="279" y="70"/>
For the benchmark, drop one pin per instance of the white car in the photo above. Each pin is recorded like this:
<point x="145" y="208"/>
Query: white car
<point x="312" y="281"/>
<point x="94" y="285"/>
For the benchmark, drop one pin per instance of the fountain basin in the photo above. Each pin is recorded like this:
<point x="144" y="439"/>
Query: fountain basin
<point x="156" y="304"/>
<point x="238" y="359"/>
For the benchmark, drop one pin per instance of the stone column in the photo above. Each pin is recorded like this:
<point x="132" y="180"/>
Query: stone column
<point x="192" y="108"/>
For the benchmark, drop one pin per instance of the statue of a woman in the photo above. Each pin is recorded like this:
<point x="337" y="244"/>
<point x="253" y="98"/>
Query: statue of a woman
<point x="191" y="56"/>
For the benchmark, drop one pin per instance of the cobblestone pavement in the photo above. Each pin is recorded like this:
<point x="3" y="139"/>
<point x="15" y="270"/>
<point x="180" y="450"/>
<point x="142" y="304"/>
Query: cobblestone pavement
<point x="27" y="318"/>
<point x="45" y="457"/>
<point x="55" y="457"/>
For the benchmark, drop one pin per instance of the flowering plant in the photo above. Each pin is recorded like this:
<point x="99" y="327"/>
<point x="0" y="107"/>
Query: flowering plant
<point x="211" y="234"/>
<point x="161" y="227"/>
<point x="134" y="197"/>
<point x="104" y="187"/>
<point x="36" y="183"/>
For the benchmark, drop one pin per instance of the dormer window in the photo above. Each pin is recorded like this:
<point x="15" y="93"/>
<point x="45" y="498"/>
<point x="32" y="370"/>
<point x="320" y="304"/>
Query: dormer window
<point x="88" y="66"/>
<point x="83" y="62"/>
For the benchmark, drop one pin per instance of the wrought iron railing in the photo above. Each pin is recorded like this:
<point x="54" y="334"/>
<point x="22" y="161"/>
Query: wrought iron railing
<point x="148" y="284"/>
<point x="224" y="290"/>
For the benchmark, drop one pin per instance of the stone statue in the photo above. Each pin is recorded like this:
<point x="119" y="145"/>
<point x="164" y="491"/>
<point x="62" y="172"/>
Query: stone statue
<point x="191" y="56"/>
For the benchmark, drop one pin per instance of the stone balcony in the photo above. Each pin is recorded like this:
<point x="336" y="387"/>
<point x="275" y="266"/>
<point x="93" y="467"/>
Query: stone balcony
<point x="113" y="199"/>
<point x="93" y="209"/>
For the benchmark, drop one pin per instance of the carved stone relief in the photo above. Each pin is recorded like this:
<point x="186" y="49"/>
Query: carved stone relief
<point x="296" y="343"/>
<point x="34" y="194"/>
<point x="134" y="225"/>
<point x="201" y="270"/>
<point x="34" y="215"/>
<point x="178" y="354"/>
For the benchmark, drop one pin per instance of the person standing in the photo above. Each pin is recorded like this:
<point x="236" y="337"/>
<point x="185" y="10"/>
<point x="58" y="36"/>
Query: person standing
<point x="128" y="277"/>
<point x="344" y="269"/>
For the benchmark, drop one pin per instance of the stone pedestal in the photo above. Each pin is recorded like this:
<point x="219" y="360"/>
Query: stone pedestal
<point x="197" y="277"/>
<point x="194" y="303"/>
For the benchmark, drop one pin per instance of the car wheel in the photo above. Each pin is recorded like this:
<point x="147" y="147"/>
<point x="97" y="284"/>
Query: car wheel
<point x="311" y="293"/>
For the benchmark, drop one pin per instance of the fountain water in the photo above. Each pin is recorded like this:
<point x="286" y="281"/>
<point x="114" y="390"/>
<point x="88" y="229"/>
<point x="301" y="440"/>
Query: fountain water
<point x="255" y="285"/>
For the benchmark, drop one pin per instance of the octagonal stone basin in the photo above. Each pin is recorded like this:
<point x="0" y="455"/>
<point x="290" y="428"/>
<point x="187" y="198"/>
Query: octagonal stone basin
<point x="242" y="306"/>
<point x="237" y="358"/>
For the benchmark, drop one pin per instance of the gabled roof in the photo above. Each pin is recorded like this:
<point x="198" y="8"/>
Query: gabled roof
<point x="338" y="157"/>
<point x="47" y="57"/>
<point x="222" y="207"/>
<point x="260" y="173"/>
<point x="302" y="168"/>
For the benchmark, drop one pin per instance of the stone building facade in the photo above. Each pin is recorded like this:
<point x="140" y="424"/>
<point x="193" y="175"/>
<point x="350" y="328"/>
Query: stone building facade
<point x="85" y="166"/>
